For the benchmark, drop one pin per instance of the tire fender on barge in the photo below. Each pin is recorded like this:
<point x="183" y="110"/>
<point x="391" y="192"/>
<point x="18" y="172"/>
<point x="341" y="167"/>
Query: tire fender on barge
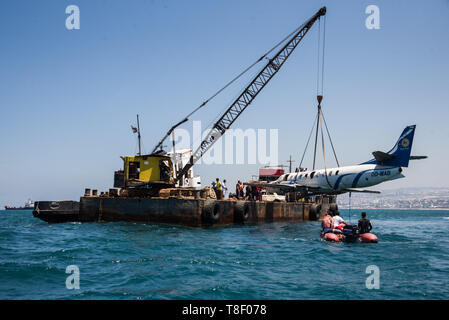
<point x="241" y="212"/>
<point x="314" y="212"/>
<point x="212" y="212"/>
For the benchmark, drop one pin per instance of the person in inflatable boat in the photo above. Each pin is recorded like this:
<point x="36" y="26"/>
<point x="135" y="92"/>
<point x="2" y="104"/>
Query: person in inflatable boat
<point x="327" y="224"/>
<point x="339" y="223"/>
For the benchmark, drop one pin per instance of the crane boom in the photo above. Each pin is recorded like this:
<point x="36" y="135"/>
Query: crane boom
<point x="249" y="93"/>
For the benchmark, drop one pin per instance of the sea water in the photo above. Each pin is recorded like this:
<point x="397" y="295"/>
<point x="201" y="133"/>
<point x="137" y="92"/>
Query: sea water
<point x="122" y="260"/>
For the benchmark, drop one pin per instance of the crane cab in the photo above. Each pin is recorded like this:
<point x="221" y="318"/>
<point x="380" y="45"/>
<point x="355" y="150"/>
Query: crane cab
<point x="145" y="170"/>
<point x="142" y="170"/>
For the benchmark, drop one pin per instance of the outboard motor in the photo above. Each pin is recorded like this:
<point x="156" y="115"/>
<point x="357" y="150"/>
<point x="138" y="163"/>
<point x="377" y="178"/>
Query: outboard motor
<point x="351" y="232"/>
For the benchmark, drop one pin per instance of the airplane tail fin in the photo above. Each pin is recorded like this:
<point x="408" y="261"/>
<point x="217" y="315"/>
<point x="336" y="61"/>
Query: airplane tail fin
<point x="399" y="155"/>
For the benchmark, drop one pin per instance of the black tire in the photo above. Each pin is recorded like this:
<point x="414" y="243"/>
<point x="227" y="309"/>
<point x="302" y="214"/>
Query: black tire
<point x="314" y="212"/>
<point x="241" y="212"/>
<point x="212" y="212"/>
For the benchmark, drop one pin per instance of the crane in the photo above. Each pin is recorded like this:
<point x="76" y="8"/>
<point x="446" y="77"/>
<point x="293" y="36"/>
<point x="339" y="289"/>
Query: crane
<point x="248" y="94"/>
<point x="148" y="174"/>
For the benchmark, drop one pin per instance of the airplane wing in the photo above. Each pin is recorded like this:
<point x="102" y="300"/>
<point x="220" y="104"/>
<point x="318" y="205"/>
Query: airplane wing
<point x="360" y="190"/>
<point x="284" y="187"/>
<point x="303" y="189"/>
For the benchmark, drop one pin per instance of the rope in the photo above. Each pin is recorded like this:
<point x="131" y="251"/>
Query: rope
<point x="330" y="139"/>
<point x="324" y="152"/>
<point x="316" y="136"/>
<point x="349" y="205"/>
<point x="308" y="140"/>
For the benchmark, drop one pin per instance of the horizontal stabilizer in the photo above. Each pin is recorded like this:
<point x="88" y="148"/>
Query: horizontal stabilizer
<point x="418" y="157"/>
<point x="361" y="190"/>
<point x="382" y="156"/>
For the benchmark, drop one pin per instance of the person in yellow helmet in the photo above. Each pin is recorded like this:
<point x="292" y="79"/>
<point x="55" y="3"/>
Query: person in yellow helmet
<point x="219" y="189"/>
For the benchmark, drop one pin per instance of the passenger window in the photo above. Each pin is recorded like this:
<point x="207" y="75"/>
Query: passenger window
<point x="330" y="173"/>
<point x="285" y="177"/>
<point x="306" y="175"/>
<point x="312" y="174"/>
<point x="336" y="173"/>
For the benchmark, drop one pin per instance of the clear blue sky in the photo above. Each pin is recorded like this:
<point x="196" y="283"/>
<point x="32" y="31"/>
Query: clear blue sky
<point x="68" y="98"/>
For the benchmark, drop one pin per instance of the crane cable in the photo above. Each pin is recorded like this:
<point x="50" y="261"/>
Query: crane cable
<point x="307" y="144"/>
<point x="324" y="151"/>
<point x="320" y="111"/>
<point x="349" y="207"/>
<point x="330" y="139"/>
<point x="316" y="120"/>
<point x="320" y="116"/>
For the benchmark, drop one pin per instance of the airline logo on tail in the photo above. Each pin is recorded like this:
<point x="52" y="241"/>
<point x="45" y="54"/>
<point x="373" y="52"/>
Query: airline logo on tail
<point x="405" y="143"/>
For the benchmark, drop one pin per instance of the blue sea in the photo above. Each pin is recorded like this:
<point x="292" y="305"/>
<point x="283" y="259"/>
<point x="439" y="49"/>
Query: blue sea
<point x="267" y="261"/>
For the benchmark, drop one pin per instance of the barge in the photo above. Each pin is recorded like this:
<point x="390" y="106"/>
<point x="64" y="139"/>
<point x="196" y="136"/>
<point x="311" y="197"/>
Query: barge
<point x="189" y="211"/>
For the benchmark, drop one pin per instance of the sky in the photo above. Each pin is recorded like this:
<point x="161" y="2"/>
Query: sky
<point x="68" y="97"/>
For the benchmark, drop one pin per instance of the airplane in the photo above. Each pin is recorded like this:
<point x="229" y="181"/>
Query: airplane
<point x="385" y="166"/>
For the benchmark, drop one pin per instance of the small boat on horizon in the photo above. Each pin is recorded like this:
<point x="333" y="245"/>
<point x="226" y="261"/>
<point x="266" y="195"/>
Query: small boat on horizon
<point x="29" y="205"/>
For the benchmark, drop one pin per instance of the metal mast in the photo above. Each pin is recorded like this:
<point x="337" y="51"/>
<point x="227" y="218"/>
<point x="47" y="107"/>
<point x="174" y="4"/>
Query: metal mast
<point x="249" y="93"/>
<point x="138" y="135"/>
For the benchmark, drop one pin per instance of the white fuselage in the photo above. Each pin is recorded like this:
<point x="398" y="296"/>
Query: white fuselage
<point x="359" y="176"/>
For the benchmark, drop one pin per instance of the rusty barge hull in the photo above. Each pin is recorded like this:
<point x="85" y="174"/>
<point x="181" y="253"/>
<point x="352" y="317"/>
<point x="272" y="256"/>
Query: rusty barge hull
<point x="181" y="211"/>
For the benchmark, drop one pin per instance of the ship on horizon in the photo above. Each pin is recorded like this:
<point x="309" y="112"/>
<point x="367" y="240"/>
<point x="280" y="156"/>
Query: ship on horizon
<point x="29" y="205"/>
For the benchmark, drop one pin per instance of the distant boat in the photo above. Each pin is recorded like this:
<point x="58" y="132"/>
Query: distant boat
<point x="29" y="205"/>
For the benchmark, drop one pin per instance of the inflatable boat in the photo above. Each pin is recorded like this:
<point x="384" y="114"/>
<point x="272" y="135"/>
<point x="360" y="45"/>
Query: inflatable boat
<point x="349" y="233"/>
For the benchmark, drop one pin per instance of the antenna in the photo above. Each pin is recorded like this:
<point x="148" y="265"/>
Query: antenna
<point x="290" y="163"/>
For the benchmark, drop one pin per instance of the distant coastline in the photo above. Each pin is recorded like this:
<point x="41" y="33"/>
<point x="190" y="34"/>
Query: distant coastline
<point x="399" y="199"/>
